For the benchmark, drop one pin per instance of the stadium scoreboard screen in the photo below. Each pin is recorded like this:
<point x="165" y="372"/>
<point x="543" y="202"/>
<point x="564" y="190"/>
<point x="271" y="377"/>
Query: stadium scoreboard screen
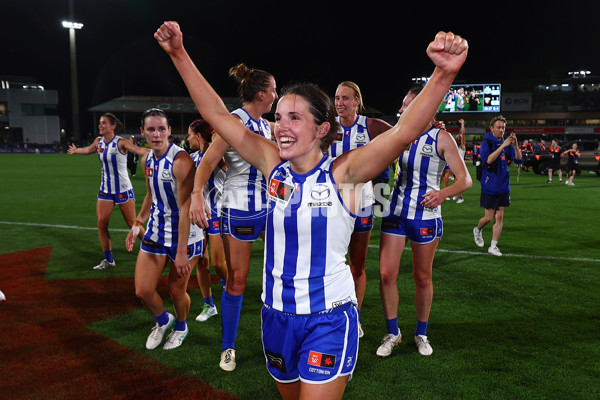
<point x="472" y="98"/>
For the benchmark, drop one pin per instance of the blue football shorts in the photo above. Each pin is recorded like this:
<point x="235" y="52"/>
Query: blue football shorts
<point x="214" y="226"/>
<point x="418" y="231"/>
<point x="193" y="250"/>
<point x="364" y="220"/>
<point x="315" y="348"/>
<point x="118" y="198"/>
<point x="243" y="225"/>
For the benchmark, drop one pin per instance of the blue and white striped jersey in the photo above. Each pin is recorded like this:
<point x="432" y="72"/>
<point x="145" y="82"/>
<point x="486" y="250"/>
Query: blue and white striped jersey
<point x="307" y="236"/>
<point x="213" y="191"/>
<point x="245" y="186"/>
<point x="163" y="225"/>
<point x="350" y="138"/>
<point x="115" y="178"/>
<point x="421" y="168"/>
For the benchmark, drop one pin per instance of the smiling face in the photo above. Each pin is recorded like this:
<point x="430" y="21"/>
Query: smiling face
<point x="346" y="102"/>
<point x="105" y="127"/>
<point x="156" y="130"/>
<point x="298" y="136"/>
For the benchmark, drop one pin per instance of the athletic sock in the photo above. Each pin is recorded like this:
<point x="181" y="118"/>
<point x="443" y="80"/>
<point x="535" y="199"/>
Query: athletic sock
<point x="421" y="328"/>
<point x="180" y="325"/>
<point x="392" y="326"/>
<point x="163" y="318"/>
<point x="209" y="301"/>
<point x="231" y="307"/>
<point x="108" y="256"/>
<point x="494" y="243"/>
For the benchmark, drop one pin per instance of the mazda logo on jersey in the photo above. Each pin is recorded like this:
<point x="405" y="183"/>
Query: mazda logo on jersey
<point x="361" y="137"/>
<point x="166" y="176"/>
<point x="320" y="192"/>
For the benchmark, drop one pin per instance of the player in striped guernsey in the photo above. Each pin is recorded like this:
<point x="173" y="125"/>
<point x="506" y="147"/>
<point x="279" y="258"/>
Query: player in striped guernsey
<point x="200" y="135"/>
<point x="244" y="198"/>
<point x="115" y="186"/>
<point x="414" y="212"/>
<point x="169" y="172"/>
<point x="355" y="131"/>
<point x="309" y="318"/>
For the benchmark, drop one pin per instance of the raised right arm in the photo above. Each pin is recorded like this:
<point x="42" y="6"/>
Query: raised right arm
<point x="255" y="149"/>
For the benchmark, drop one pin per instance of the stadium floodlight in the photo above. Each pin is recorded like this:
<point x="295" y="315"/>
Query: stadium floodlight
<point x="420" y="80"/>
<point x="72" y="25"/>
<point x="579" y="74"/>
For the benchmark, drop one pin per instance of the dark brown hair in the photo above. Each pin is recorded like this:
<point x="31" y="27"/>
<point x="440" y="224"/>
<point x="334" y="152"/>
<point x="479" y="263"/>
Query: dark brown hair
<point x="251" y="81"/>
<point x="320" y="106"/>
<point x="203" y="128"/>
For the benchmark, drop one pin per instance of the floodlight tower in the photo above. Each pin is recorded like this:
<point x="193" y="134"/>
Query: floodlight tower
<point x="72" y="26"/>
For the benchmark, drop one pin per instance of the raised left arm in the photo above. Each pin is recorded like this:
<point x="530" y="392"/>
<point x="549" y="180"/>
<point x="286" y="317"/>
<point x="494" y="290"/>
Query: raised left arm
<point x="448" y="52"/>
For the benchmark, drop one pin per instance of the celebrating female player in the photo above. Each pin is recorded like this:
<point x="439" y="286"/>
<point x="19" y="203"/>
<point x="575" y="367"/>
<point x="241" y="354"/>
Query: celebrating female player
<point x="115" y="186"/>
<point x="169" y="174"/>
<point x="244" y="199"/>
<point x="309" y="318"/>
<point x="356" y="131"/>
<point x="414" y="212"/>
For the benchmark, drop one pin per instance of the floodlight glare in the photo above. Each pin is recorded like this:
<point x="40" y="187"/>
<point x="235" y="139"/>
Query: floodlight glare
<point x="72" y="25"/>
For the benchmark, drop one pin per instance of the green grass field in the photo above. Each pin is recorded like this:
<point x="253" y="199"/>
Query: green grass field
<point x="522" y="326"/>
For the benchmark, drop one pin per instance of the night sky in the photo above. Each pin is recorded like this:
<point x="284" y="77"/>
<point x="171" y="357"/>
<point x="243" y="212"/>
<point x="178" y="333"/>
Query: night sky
<point x="380" y="47"/>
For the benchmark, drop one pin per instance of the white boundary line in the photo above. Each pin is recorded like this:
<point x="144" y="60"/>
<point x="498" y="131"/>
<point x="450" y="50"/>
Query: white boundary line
<point x="484" y="253"/>
<point x="472" y="253"/>
<point x="58" y="226"/>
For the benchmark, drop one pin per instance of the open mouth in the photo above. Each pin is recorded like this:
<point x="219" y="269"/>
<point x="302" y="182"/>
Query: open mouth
<point x="286" y="141"/>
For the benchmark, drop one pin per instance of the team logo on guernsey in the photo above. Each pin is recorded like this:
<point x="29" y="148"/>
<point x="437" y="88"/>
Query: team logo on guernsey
<point x="100" y="149"/>
<point x="361" y="138"/>
<point x="339" y="136"/>
<point x="321" y="359"/>
<point x="280" y="190"/>
<point x="148" y="172"/>
<point x="276" y="360"/>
